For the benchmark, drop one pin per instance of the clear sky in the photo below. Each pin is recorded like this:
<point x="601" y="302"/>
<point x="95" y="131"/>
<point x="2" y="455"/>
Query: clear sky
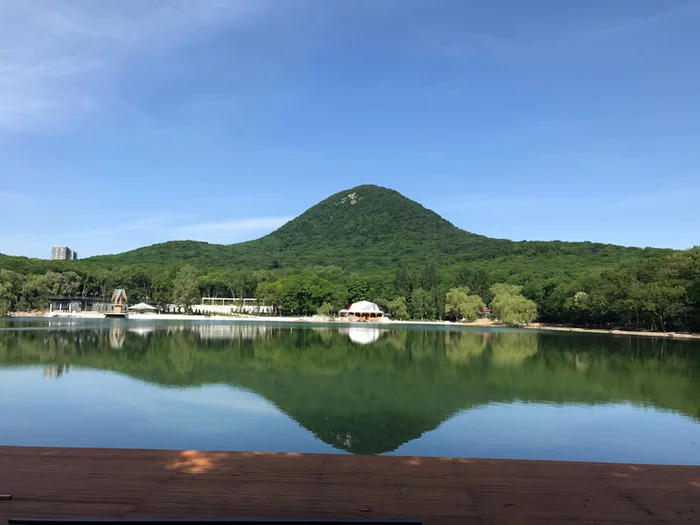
<point x="125" y="123"/>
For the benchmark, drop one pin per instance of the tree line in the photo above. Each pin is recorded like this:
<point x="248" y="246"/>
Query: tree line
<point x="656" y="293"/>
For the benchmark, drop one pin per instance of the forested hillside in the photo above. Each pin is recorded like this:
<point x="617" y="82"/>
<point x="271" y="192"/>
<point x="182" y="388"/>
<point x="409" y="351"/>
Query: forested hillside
<point x="372" y="243"/>
<point x="374" y="228"/>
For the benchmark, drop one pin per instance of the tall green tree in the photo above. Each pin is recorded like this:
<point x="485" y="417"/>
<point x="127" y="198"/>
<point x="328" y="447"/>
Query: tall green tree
<point x="429" y="278"/>
<point x="302" y="294"/>
<point x="398" y="308"/>
<point x="403" y="281"/>
<point x="477" y="280"/>
<point x="34" y="294"/>
<point x="438" y="301"/>
<point x="422" y="304"/>
<point x="271" y="293"/>
<point x="662" y="302"/>
<point x="460" y="304"/>
<point x="358" y="289"/>
<point x="327" y="310"/>
<point x="186" y="287"/>
<point x="510" y="306"/>
<point x="163" y="288"/>
<point x="10" y="288"/>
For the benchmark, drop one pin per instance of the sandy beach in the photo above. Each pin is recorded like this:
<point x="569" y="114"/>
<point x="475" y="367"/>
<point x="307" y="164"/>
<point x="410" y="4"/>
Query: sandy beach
<point x="385" y="323"/>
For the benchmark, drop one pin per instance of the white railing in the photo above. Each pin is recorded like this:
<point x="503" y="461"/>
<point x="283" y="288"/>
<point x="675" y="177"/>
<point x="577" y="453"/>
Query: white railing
<point x="251" y="309"/>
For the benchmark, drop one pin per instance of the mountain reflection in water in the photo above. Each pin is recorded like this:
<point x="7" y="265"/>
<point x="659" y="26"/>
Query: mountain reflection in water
<point x="372" y="389"/>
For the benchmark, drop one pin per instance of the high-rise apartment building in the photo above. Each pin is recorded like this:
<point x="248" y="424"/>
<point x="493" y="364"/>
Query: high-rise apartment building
<point x="63" y="253"/>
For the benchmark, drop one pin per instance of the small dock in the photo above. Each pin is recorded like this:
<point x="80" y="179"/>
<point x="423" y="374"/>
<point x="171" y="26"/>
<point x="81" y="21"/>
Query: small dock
<point x="111" y="483"/>
<point x="112" y="315"/>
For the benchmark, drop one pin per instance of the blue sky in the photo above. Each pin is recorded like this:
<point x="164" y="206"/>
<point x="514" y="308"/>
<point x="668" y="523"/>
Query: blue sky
<point x="133" y="122"/>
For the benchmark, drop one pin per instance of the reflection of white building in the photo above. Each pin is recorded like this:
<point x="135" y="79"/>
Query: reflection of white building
<point x="116" y="338"/>
<point x="142" y="330"/>
<point x="232" y="331"/>
<point x="55" y="371"/>
<point x="363" y="336"/>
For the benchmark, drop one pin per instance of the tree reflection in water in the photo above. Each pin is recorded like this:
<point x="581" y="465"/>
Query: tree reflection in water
<point x="371" y="389"/>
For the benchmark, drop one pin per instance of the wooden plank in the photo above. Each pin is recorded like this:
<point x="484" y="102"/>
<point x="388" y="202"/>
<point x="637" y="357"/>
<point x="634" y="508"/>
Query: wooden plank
<point x="114" y="483"/>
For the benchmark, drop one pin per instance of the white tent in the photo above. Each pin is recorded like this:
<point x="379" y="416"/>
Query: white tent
<point x="363" y="307"/>
<point x="143" y="307"/>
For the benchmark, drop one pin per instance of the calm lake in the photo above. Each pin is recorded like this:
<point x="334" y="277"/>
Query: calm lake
<point x="363" y="390"/>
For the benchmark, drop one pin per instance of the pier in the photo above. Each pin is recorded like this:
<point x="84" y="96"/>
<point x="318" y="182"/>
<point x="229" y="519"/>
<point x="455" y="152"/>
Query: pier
<point x="115" y="483"/>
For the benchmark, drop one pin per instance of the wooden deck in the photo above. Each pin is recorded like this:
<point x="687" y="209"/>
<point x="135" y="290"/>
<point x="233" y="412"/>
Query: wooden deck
<point x="53" y="482"/>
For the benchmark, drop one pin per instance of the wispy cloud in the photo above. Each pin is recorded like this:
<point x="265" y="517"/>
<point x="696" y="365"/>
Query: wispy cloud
<point x="157" y="222"/>
<point x="259" y="223"/>
<point x="493" y="41"/>
<point x="463" y="47"/>
<point x="175" y="225"/>
<point x="140" y="230"/>
<point x="641" y="22"/>
<point x="9" y="196"/>
<point x="58" y="58"/>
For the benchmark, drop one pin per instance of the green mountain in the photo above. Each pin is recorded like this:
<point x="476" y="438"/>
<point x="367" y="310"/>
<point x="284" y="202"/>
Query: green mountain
<point x="370" y="227"/>
<point x="372" y="242"/>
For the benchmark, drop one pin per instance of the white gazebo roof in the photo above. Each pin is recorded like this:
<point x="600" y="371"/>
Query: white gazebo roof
<point x="363" y="307"/>
<point x="143" y="307"/>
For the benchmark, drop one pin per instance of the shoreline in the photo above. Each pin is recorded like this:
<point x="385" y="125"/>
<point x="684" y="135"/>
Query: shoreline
<point x="666" y="335"/>
<point x="481" y="323"/>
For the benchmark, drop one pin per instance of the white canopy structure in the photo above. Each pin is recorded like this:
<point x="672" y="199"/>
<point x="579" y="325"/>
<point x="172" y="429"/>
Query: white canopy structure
<point x="363" y="307"/>
<point x="142" y="307"/>
<point x="362" y="311"/>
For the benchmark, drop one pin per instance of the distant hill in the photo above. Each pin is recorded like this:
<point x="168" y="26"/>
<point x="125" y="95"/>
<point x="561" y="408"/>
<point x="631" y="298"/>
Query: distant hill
<point x="372" y="242"/>
<point x="370" y="227"/>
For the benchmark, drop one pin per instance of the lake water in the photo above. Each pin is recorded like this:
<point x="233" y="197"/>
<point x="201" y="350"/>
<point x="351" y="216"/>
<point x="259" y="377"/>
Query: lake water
<point x="365" y="390"/>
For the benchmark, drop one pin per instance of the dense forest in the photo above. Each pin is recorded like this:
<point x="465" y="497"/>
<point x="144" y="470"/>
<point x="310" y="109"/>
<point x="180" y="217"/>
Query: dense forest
<point x="372" y="243"/>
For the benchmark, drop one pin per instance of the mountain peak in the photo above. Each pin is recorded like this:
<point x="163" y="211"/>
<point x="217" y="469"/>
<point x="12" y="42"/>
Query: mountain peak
<point x="363" y="227"/>
<point x="354" y="195"/>
<point x="363" y="218"/>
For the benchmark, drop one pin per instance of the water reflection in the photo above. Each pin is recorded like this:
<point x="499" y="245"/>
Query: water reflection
<point x="55" y="371"/>
<point x="142" y="330"/>
<point x="362" y="336"/>
<point x="116" y="337"/>
<point x="371" y="389"/>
